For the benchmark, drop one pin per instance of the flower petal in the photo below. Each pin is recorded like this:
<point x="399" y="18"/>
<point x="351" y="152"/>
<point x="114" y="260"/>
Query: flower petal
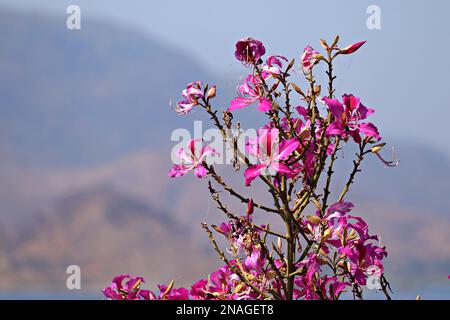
<point x="335" y="128"/>
<point x="286" y="148"/>
<point x="369" y="130"/>
<point x="252" y="173"/>
<point x="239" y="103"/>
<point x="281" y="167"/>
<point x="350" y="101"/>
<point x="336" y="108"/>
<point x="200" y="171"/>
<point x="364" y="112"/>
<point x="264" y="105"/>
<point x="177" y="171"/>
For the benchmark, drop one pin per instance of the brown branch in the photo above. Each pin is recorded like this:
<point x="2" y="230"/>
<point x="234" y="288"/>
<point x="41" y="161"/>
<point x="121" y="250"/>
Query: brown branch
<point x="231" y="191"/>
<point x="356" y="165"/>
<point x="326" y="190"/>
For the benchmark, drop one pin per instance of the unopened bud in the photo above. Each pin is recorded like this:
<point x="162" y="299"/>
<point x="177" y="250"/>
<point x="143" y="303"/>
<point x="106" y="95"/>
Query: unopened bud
<point x="291" y="64"/>
<point x="297" y="89"/>
<point x="314" y="219"/>
<point x="169" y="288"/>
<point x="378" y="147"/>
<point x="318" y="56"/>
<point x="136" y="285"/>
<point x="335" y="42"/>
<point x="327" y="233"/>
<point x="324" y="44"/>
<point x="317" y="203"/>
<point x="212" y="92"/>
<point x="351" y="48"/>
<point x="217" y="228"/>
<point x="239" y="287"/>
<point x="250" y="207"/>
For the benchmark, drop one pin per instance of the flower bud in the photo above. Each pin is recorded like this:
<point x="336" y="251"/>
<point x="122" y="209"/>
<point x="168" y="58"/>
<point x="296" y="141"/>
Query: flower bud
<point x="324" y="44"/>
<point x="250" y="207"/>
<point x="351" y="48"/>
<point x="327" y="233"/>
<point x="317" y="203"/>
<point x="314" y="219"/>
<point x="318" y="56"/>
<point x="218" y="229"/>
<point x="168" y="289"/>
<point x="279" y="244"/>
<point x="297" y="89"/>
<point x="378" y="147"/>
<point x="211" y="92"/>
<point x="335" y="42"/>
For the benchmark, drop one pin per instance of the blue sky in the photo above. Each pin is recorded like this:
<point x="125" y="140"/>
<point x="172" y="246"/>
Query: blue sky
<point x="401" y="71"/>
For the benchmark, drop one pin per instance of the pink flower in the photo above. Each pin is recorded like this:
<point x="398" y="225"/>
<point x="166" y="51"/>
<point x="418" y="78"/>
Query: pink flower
<point x="308" y="59"/>
<point x="362" y="257"/>
<point x="347" y="118"/>
<point x="337" y="210"/>
<point x="199" y="290"/>
<point x="351" y="48"/>
<point x="249" y="50"/>
<point x="312" y="286"/>
<point x="130" y="290"/>
<point x="221" y="286"/>
<point x="269" y="153"/>
<point x="272" y="66"/>
<point x="302" y="111"/>
<point x="362" y="251"/>
<point x="250" y="92"/>
<point x="350" y="236"/>
<point x="191" y="95"/>
<point x="224" y="228"/>
<point x="168" y="293"/>
<point x="191" y="161"/>
<point x="254" y="261"/>
<point x="319" y="288"/>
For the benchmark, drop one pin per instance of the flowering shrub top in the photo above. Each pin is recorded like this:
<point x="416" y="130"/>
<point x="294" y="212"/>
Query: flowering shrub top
<point x="324" y="250"/>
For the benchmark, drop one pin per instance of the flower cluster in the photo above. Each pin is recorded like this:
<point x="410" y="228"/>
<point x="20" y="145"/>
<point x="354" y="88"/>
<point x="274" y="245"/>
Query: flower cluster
<point x="128" y="287"/>
<point x="323" y="250"/>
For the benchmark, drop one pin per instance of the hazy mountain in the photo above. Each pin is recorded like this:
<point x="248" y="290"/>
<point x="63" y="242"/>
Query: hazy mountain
<point x="83" y="96"/>
<point x="105" y="232"/>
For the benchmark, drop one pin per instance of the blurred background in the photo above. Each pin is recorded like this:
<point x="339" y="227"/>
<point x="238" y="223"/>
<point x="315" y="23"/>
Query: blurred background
<point x="85" y="133"/>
